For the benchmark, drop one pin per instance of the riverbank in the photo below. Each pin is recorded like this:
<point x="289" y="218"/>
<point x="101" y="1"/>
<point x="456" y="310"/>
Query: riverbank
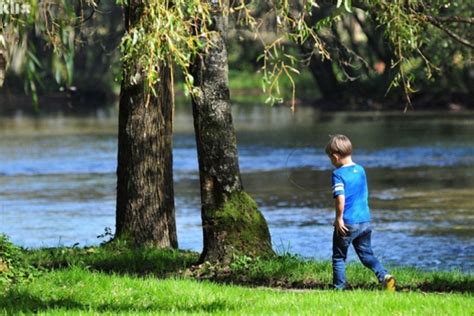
<point x="114" y="279"/>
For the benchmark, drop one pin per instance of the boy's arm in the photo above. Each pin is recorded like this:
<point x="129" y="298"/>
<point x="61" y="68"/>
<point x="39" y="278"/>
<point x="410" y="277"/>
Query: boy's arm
<point x="341" y="229"/>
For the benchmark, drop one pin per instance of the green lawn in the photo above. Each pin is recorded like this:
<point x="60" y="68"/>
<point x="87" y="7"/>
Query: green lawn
<point x="115" y="279"/>
<point x="284" y="271"/>
<point x="77" y="291"/>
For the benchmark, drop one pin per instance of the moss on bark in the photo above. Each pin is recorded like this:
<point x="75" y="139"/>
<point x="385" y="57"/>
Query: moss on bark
<point x="240" y="229"/>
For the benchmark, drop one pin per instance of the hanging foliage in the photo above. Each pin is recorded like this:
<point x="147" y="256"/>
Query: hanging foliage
<point x="57" y="23"/>
<point x="168" y="33"/>
<point x="174" y="32"/>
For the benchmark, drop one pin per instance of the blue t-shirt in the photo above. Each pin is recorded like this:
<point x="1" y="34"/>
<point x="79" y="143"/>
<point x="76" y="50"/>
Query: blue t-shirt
<point x="350" y="181"/>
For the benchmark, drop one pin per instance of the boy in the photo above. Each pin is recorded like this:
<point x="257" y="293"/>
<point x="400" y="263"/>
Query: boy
<point x="352" y="224"/>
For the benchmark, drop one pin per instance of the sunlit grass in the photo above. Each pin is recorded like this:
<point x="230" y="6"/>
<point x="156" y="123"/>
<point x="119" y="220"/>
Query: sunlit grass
<point x="246" y="87"/>
<point x="287" y="271"/>
<point x="114" y="279"/>
<point x="76" y="290"/>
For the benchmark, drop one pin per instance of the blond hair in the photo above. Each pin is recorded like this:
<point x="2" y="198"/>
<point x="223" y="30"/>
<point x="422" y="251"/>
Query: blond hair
<point x="339" y="144"/>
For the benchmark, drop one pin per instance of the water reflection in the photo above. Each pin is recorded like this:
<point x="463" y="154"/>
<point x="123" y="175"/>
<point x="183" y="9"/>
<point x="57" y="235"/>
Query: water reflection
<point x="57" y="180"/>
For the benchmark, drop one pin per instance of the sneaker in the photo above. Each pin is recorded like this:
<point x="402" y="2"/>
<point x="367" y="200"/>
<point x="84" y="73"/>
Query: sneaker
<point x="389" y="283"/>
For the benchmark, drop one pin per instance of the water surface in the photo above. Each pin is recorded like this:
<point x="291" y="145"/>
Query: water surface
<point x="57" y="180"/>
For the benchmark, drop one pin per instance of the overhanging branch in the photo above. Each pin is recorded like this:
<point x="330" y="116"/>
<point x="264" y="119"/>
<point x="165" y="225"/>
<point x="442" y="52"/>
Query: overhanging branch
<point x="93" y="7"/>
<point x="436" y="22"/>
<point x="455" y="19"/>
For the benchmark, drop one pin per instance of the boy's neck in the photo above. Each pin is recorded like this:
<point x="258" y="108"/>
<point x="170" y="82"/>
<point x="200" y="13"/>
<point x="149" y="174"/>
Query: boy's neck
<point x="346" y="161"/>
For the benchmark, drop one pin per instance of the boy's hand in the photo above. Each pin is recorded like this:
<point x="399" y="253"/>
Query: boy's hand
<point x="341" y="229"/>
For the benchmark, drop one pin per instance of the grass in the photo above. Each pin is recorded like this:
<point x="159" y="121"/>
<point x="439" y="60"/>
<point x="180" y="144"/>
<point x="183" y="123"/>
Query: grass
<point x="75" y="291"/>
<point x="246" y="88"/>
<point x="114" y="258"/>
<point x="286" y="271"/>
<point x="113" y="279"/>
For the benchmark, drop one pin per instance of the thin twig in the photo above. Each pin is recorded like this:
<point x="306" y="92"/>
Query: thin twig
<point x="433" y="20"/>
<point x="455" y="19"/>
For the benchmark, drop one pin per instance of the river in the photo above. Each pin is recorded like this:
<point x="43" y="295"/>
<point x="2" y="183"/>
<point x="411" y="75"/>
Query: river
<point x="57" y="180"/>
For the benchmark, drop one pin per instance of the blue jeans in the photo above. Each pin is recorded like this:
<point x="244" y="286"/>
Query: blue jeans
<point x="359" y="235"/>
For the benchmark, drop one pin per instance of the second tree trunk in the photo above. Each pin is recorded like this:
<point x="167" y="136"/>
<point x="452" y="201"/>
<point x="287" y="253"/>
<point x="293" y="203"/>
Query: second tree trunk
<point x="232" y="223"/>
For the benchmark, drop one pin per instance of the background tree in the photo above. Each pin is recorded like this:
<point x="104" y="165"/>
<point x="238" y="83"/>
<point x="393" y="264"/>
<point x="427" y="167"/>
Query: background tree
<point x="360" y="63"/>
<point x="65" y="49"/>
<point x="355" y="50"/>
<point x="24" y="27"/>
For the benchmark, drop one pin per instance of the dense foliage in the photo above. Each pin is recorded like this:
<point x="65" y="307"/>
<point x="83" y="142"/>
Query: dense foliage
<point x="13" y="265"/>
<point x="59" y="45"/>
<point x="359" y="48"/>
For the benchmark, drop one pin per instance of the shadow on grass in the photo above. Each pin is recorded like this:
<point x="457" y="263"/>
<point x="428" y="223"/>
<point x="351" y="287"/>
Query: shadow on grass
<point x="285" y="272"/>
<point x="308" y="275"/>
<point x="162" y="263"/>
<point x="443" y="283"/>
<point x="117" y="260"/>
<point x="16" y="302"/>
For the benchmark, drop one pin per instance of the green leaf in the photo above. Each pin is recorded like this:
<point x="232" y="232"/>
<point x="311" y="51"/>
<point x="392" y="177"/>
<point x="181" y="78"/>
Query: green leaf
<point x="190" y="78"/>
<point x="348" y="5"/>
<point x="134" y="38"/>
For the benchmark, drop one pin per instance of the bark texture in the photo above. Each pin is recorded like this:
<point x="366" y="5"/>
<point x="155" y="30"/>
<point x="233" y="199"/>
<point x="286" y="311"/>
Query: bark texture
<point x="3" y="59"/>
<point x="232" y="223"/>
<point x="145" y="212"/>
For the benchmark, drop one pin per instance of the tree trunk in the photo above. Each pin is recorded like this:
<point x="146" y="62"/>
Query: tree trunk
<point x="3" y="58"/>
<point x="145" y="212"/>
<point x="323" y="73"/>
<point x="232" y="223"/>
